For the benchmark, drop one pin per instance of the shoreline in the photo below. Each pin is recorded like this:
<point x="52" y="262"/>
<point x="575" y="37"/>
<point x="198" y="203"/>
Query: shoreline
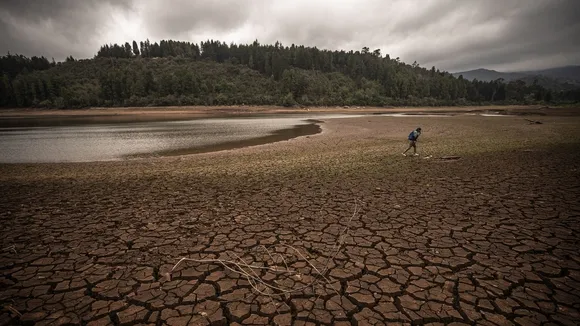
<point x="311" y="127"/>
<point x="210" y="111"/>
<point x="49" y="118"/>
<point x="280" y="135"/>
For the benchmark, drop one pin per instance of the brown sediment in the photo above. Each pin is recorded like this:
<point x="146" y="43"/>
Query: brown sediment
<point x="276" y="136"/>
<point x="489" y="239"/>
<point x="177" y="112"/>
<point x="19" y="121"/>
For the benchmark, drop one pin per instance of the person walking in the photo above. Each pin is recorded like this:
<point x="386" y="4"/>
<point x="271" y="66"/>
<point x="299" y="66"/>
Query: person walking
<point x="413" y="137"/>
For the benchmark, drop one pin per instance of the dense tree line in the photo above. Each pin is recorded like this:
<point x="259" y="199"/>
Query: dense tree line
<point x="147" y="50"/>
<point x="215" y="73"/>
<point x="13" y="65"/>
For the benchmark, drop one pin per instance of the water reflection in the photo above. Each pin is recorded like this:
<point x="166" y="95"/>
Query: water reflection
<point x="101" y="142"/>
<point x="82" y="139"/>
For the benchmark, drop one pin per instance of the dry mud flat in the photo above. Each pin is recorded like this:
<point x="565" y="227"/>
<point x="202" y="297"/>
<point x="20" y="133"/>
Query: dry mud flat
<point x="491" y="238"/>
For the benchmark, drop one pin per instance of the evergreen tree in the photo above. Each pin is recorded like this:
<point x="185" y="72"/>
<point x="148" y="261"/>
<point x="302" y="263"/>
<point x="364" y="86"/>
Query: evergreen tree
<point x="247" y="73"/>
<point x="6" y="93"/>
<point x="136" y="48"/>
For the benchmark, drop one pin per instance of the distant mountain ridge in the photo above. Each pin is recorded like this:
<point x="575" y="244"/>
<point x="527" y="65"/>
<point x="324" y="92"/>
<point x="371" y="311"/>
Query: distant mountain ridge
<point x="488" y="75"/>
<point x="566" y="72"/>
<point x="559" y="78"/>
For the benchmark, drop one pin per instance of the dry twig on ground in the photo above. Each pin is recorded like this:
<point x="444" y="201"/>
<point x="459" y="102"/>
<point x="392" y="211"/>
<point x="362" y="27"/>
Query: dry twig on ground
<point x="13" y="310"/>
<point x="10" y="248"/>
<point x="251" y="271"/>
<point x="532" y="122"/>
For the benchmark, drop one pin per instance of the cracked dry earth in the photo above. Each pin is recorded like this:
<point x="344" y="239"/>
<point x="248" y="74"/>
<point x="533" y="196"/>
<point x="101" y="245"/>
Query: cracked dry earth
<point x="489" y="239"/>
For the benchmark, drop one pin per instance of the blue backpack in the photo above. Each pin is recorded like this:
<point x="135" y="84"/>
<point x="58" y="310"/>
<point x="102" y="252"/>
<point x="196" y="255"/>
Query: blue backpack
<point x="412" y="135"/>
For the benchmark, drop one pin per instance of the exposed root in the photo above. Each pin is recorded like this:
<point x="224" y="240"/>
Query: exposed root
<point x="10" y="248"/>
<point x="13" y="310"/>
<point x="251" y="271"/>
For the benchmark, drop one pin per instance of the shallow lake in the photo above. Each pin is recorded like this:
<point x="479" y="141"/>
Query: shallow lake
<point x="84" y="139"/>
<point x="62" y="140"/>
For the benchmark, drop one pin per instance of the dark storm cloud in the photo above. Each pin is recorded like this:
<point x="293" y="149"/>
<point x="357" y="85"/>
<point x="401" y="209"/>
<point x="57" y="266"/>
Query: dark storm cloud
<point x="543" y="33"/>
<point x="176" y="18"/>
<point x="54" y="28"/>
<point x="450" y="34"/>
<point x="38" y="9"/>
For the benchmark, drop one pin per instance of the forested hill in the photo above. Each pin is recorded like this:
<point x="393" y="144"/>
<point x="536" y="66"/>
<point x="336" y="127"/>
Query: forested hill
<point x="215" y="73"/>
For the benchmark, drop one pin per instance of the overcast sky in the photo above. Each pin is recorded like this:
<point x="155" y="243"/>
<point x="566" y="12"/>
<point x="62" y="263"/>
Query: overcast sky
<point x="453" y="35"/>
